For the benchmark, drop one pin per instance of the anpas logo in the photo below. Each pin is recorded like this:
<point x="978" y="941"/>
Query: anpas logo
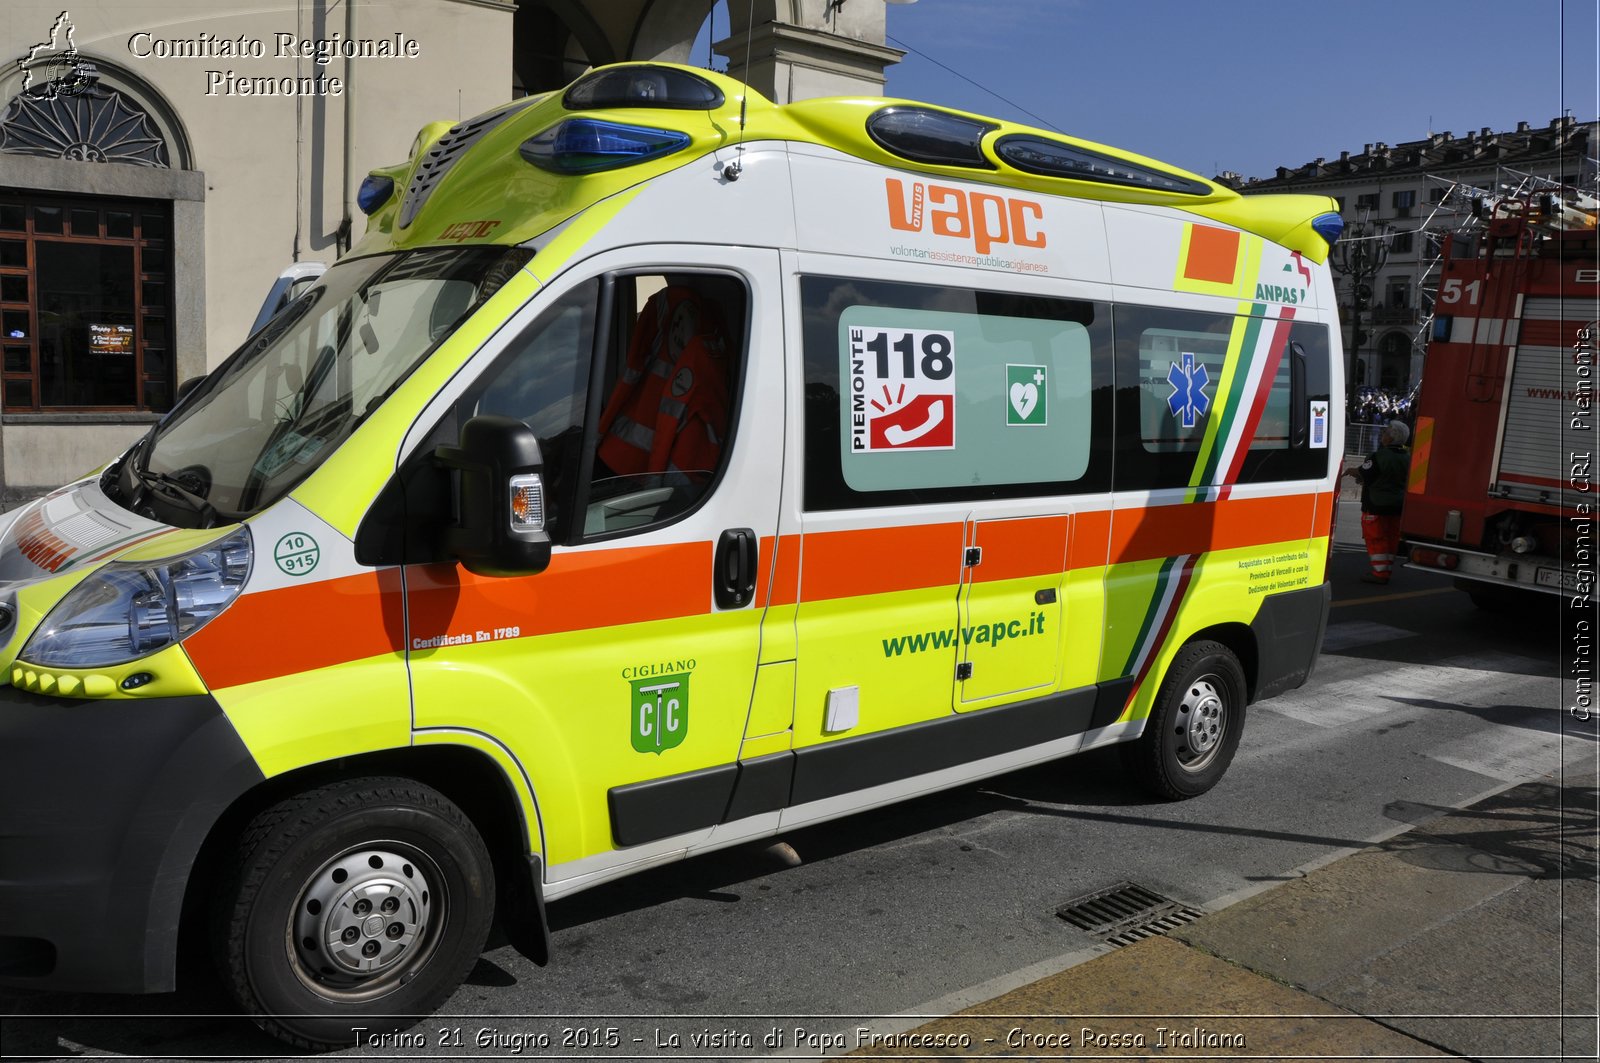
<point x="982" y="217"/>
<point x="660" y="705"/>
<point x="1278" y="293"/>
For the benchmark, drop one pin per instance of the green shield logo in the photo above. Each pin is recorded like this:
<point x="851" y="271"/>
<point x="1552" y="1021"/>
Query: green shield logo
<point x="660" y="712"/>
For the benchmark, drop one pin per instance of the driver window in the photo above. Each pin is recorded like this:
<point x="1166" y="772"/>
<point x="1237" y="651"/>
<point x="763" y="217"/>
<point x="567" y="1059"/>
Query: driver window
<point x="669" y="389"/>
<point x="667" y="386"/>
<point x="543" y="381"/>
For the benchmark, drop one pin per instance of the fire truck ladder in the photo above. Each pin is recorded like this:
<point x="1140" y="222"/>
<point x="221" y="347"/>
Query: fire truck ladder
<point x="1507" y="246"/>
<point x="1461" y="210"/>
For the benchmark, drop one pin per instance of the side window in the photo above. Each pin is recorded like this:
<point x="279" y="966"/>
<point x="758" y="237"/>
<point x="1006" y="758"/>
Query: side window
<point x="1211" y="399"/>
<point x="636" y="438"/>
<point x="632" y="439"/>
<point x="542" y="379"/>
<point x="917" y="393"/>
<point x="667" y="392"/>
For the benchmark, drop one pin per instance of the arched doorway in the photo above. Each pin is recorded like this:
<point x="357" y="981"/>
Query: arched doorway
<point x="88" y="256"/>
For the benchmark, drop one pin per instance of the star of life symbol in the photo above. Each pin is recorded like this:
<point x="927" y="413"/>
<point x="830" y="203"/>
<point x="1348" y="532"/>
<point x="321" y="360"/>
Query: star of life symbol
<point x="1188" y="400"/>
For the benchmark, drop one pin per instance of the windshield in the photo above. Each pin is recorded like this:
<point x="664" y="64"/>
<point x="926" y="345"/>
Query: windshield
<point x="275" y="410"/>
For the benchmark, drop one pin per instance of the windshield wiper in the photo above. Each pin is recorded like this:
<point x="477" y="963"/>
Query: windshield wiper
<point x="174" y="489"/>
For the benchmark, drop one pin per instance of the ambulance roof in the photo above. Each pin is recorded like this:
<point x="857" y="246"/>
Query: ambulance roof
<point x="515" y="172"/>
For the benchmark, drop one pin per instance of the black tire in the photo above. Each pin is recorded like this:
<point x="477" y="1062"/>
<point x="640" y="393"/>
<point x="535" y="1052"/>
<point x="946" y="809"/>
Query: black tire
<point x="1510" y="601"/>
<point x="1194" y="727"/>
<point x="384" y="874"/>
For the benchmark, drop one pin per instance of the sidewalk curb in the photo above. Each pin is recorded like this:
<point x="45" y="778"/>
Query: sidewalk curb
<point x="1297" y="1001"/>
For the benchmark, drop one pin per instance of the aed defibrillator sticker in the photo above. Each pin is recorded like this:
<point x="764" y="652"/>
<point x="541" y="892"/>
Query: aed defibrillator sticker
<point x="1026" y="396"/>
<point x="902" y="389"/>
<point x="660" y="707"/>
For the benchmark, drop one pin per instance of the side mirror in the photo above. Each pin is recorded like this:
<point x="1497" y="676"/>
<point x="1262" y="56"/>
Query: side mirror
<point x="500" y="498"/>
<point x="188" y="386"/>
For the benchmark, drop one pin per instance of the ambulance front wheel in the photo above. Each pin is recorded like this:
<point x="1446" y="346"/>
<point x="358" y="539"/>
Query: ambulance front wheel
<point x="1195" y="725"/>
<point x="354" y="909"/>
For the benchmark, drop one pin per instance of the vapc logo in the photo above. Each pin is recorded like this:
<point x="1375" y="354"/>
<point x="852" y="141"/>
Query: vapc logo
<point x="984" y="218"/>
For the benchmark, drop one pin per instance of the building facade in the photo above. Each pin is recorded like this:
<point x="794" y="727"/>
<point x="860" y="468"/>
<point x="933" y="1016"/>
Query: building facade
<point x="162" y="162"/>
<point x="1398" y="202"/>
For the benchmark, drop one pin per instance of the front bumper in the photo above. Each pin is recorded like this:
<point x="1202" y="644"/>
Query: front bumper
<point x="103" y="808"/>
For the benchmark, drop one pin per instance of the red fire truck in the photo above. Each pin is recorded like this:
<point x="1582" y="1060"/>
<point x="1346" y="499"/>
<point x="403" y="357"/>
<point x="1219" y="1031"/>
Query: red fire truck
<point x="1502" y="487"/>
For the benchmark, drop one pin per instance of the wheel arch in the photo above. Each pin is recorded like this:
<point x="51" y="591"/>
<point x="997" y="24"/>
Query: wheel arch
<point x="1241" y="642"/>
<point x="466" y="774"/>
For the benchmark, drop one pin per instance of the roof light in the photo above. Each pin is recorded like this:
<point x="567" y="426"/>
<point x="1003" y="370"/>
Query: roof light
<point x="926" y="135"/>
<point x="1054" y="158"/>
<point x="588" y="145"/>
<point x="375" y="191"/>
<point x="642" y="86"/>
<point x="1328" y="226"/>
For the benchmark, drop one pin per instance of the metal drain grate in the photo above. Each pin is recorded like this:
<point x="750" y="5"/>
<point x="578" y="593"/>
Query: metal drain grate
<point x="1125" y="913"/>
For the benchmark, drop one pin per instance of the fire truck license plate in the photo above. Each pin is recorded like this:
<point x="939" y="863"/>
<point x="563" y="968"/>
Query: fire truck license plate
<point x="1555" y="577"/>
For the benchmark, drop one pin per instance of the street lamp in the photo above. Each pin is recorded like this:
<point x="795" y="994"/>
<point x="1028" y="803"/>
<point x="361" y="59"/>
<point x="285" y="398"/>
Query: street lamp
<point x="1360" y="253"/>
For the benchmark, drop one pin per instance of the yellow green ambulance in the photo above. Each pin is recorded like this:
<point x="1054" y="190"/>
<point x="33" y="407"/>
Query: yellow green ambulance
<point x="665" y="469"/>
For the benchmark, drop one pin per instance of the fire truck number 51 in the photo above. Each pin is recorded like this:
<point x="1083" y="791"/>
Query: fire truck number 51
<point x="1453" y="290"/>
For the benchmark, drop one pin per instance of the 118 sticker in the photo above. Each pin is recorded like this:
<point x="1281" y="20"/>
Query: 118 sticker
<point x="902" y="389"/>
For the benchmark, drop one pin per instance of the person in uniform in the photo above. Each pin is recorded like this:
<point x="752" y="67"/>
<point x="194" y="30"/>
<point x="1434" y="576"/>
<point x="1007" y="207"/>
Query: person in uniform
<point x="669" y="411"/>
<point x="1383" y="491"/>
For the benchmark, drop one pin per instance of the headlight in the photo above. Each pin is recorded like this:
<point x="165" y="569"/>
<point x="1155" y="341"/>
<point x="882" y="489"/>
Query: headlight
<point x="8" y="617"/>
<point x="127" y="611"/>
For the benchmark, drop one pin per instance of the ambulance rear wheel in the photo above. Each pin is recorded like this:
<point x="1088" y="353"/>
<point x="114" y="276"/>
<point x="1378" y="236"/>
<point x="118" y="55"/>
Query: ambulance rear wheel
<point x="1194" y="728"/>
<point x="357" y="905"/>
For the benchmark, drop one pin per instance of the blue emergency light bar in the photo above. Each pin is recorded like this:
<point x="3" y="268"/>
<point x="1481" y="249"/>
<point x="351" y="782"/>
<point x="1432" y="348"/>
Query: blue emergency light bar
<point x="1328" y="226"/>
<point x="589" y="145"/>
<point x="375" y="191"/>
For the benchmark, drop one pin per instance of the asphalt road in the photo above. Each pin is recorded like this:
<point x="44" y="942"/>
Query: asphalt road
<point x="1420" y="702"/>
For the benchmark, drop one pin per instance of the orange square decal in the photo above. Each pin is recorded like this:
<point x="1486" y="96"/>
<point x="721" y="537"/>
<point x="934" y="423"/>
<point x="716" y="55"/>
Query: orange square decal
<point x="1213" y="255"/>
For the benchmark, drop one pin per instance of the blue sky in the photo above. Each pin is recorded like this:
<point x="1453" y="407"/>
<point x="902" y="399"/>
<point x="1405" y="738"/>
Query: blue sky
<point x="1249" y="86"/>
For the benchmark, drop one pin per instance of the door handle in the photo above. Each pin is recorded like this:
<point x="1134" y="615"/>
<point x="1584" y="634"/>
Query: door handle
<point x="734" y="569"/>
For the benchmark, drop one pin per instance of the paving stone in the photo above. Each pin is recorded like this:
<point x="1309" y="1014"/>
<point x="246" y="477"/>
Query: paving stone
<point x="1160" y="999"/>
<point x="1309" y="931"/>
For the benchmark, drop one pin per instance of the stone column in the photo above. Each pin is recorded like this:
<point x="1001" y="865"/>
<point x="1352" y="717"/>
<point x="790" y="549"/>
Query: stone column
<point x="798" y="49"/>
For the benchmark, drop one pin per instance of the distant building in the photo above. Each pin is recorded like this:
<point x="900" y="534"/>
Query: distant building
<point x="1412" y="194"/>
<point x="162" y="160"/>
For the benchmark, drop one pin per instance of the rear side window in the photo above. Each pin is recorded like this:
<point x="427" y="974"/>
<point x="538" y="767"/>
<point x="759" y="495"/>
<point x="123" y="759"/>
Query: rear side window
<point x="917" y="393"/>
<point x="1211" y="399"/>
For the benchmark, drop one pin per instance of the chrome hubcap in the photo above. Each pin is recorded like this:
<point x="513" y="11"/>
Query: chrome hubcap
<point x="1202" y="723"/>
<point x="361" y="916"/>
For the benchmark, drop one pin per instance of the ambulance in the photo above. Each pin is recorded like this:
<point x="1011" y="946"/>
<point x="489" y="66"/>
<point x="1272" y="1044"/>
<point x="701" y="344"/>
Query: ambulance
<point x="664" y="470"/>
